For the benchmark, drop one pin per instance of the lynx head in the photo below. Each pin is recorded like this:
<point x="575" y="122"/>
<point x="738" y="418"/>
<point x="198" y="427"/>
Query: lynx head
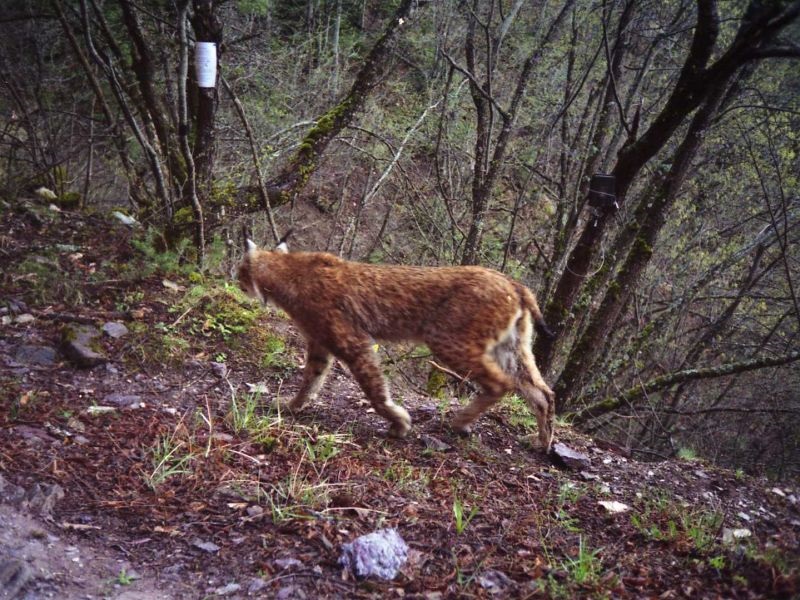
<point x="256" y="260"/>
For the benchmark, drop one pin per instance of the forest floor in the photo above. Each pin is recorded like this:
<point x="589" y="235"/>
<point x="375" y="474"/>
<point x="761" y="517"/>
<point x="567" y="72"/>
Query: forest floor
<point x="165" y="472"/>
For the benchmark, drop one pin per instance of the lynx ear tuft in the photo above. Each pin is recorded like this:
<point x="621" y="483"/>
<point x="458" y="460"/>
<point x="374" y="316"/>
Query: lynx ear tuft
<point x="249" y="245"/>
<point x="282" y="246"/>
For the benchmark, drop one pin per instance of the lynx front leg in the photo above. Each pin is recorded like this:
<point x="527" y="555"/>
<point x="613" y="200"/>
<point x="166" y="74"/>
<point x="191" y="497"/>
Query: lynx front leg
<point x="318" y="363"/>
<point x="366" y="369"/>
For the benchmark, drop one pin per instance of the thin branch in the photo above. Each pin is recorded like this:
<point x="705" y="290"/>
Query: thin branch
<point x="666" y="381"/>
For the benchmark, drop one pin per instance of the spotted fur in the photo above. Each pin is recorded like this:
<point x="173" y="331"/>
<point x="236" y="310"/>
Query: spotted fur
<point x="476" y="321"/>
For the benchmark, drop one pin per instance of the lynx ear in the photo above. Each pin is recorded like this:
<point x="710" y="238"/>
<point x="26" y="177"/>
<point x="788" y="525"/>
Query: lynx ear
<point x="282" y="246"/>
<point x="248" y="244"/>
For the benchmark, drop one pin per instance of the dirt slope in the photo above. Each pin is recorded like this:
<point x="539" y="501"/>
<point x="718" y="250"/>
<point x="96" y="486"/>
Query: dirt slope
<point x="178" y="483"/>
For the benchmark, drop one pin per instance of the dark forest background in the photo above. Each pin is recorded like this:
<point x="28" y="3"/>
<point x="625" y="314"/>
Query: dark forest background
<point x="467" y="133"/>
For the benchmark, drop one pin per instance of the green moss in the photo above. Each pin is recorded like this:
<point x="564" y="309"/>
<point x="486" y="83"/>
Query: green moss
<point x="70" y="200"/>
<point x="183" y="216"/>
<point x="436" y="385"/>
<point x="642" y="247"/>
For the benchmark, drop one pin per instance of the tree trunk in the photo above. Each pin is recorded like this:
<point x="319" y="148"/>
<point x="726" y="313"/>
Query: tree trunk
<point x="649" y="218"/>
<point x="294" y="176"/>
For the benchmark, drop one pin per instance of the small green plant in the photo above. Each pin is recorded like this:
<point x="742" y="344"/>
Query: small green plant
<point x="274" y="356"/>
<point x="323" y="447"/>
<point x="664" y="519"/>
<point x="460" y="517"/>
<point x="242" y="413"/>
<point x="519" y="415"/>
<point x="701" y="528"/>
<point x="407" y="478"/>
<point x="717" y="562"/>
<point x="585" y="568"/>
<point x="124" y="578"/>
<point x="687" y="454"/>
<point x="170" y="457"/>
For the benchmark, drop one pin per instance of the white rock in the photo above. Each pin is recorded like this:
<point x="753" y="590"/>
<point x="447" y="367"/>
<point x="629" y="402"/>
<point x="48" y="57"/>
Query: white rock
<point x="729" y="536"/>
<point x="613" y="506"/>
<point x="124" y="219"/>
<point x="46" y="193"/>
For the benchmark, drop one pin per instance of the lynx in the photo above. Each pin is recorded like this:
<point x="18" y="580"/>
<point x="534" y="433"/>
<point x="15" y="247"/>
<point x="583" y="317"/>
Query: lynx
<point x="475" y="320"/>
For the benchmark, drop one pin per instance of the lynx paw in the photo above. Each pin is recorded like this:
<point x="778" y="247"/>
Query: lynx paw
<point x="463" y="430"/>
<point x="399" y="430"/>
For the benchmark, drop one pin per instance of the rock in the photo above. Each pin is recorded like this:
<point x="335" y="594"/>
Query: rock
<point x="124" y="219"/>
<point x="45" y="193"/>
<point x="378" y="554"/>
<point x="778" y="492"/>
<point x="17" y="306"/>
<point x="565" y="456"/>
<point x="40" y="356"/>
<point x="495" y="582"/>
<point x="209" y="547"/>
<point x="613" y="506"/>
<point x="291" y="592"/>
<point x="42" y="498"/>
<point x="219" y="369"/>
<point x="257" y="388"/>
<point x="256" y="585"/>
<point x="730" y="536"/>
<point x="117" y="399"/>
<point x="284" y="564"/>
<point x="255" y="511"/>
<point x="14" y="575"/>
<point x="227" y="590"/>
<point x="76" y="344"/>
<point x="25" y="318"/>
<point x="115" y="330"/>
<point x="432" y="443"/>
<point x="10" y="493"/>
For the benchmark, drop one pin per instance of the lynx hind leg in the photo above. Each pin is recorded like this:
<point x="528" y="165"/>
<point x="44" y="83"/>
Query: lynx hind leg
<point x="541" y="405"/>
<point x="495" y="383"/>
<point x="318" y="364"/>
<point x="366" y="370"/>
<point x="539" y="397"/>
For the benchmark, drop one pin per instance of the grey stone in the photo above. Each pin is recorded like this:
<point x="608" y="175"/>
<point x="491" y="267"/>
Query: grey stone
<point x="219" y="369"/>
<point x="255" y="511"/>
<point x="287" y="563"/>
<point x="256" y="585"/>
<point x="122" y="399"/>
<point x="115" y="330"/>
<point x="209" y="547"/>
<point x="495" y="582"/>
<point x="14" y="575"/>
<point x="227" y="590"/>
<point x="569" y="458"/>
<point x="42" y="498"/>
<point x="76" y="344"/>
<point x="10" y="493"/>
<point x="41" y="356"/>
<point x="378" y="554"/>
<point x="432" y="443"/>
<point x="291" y="592"/>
